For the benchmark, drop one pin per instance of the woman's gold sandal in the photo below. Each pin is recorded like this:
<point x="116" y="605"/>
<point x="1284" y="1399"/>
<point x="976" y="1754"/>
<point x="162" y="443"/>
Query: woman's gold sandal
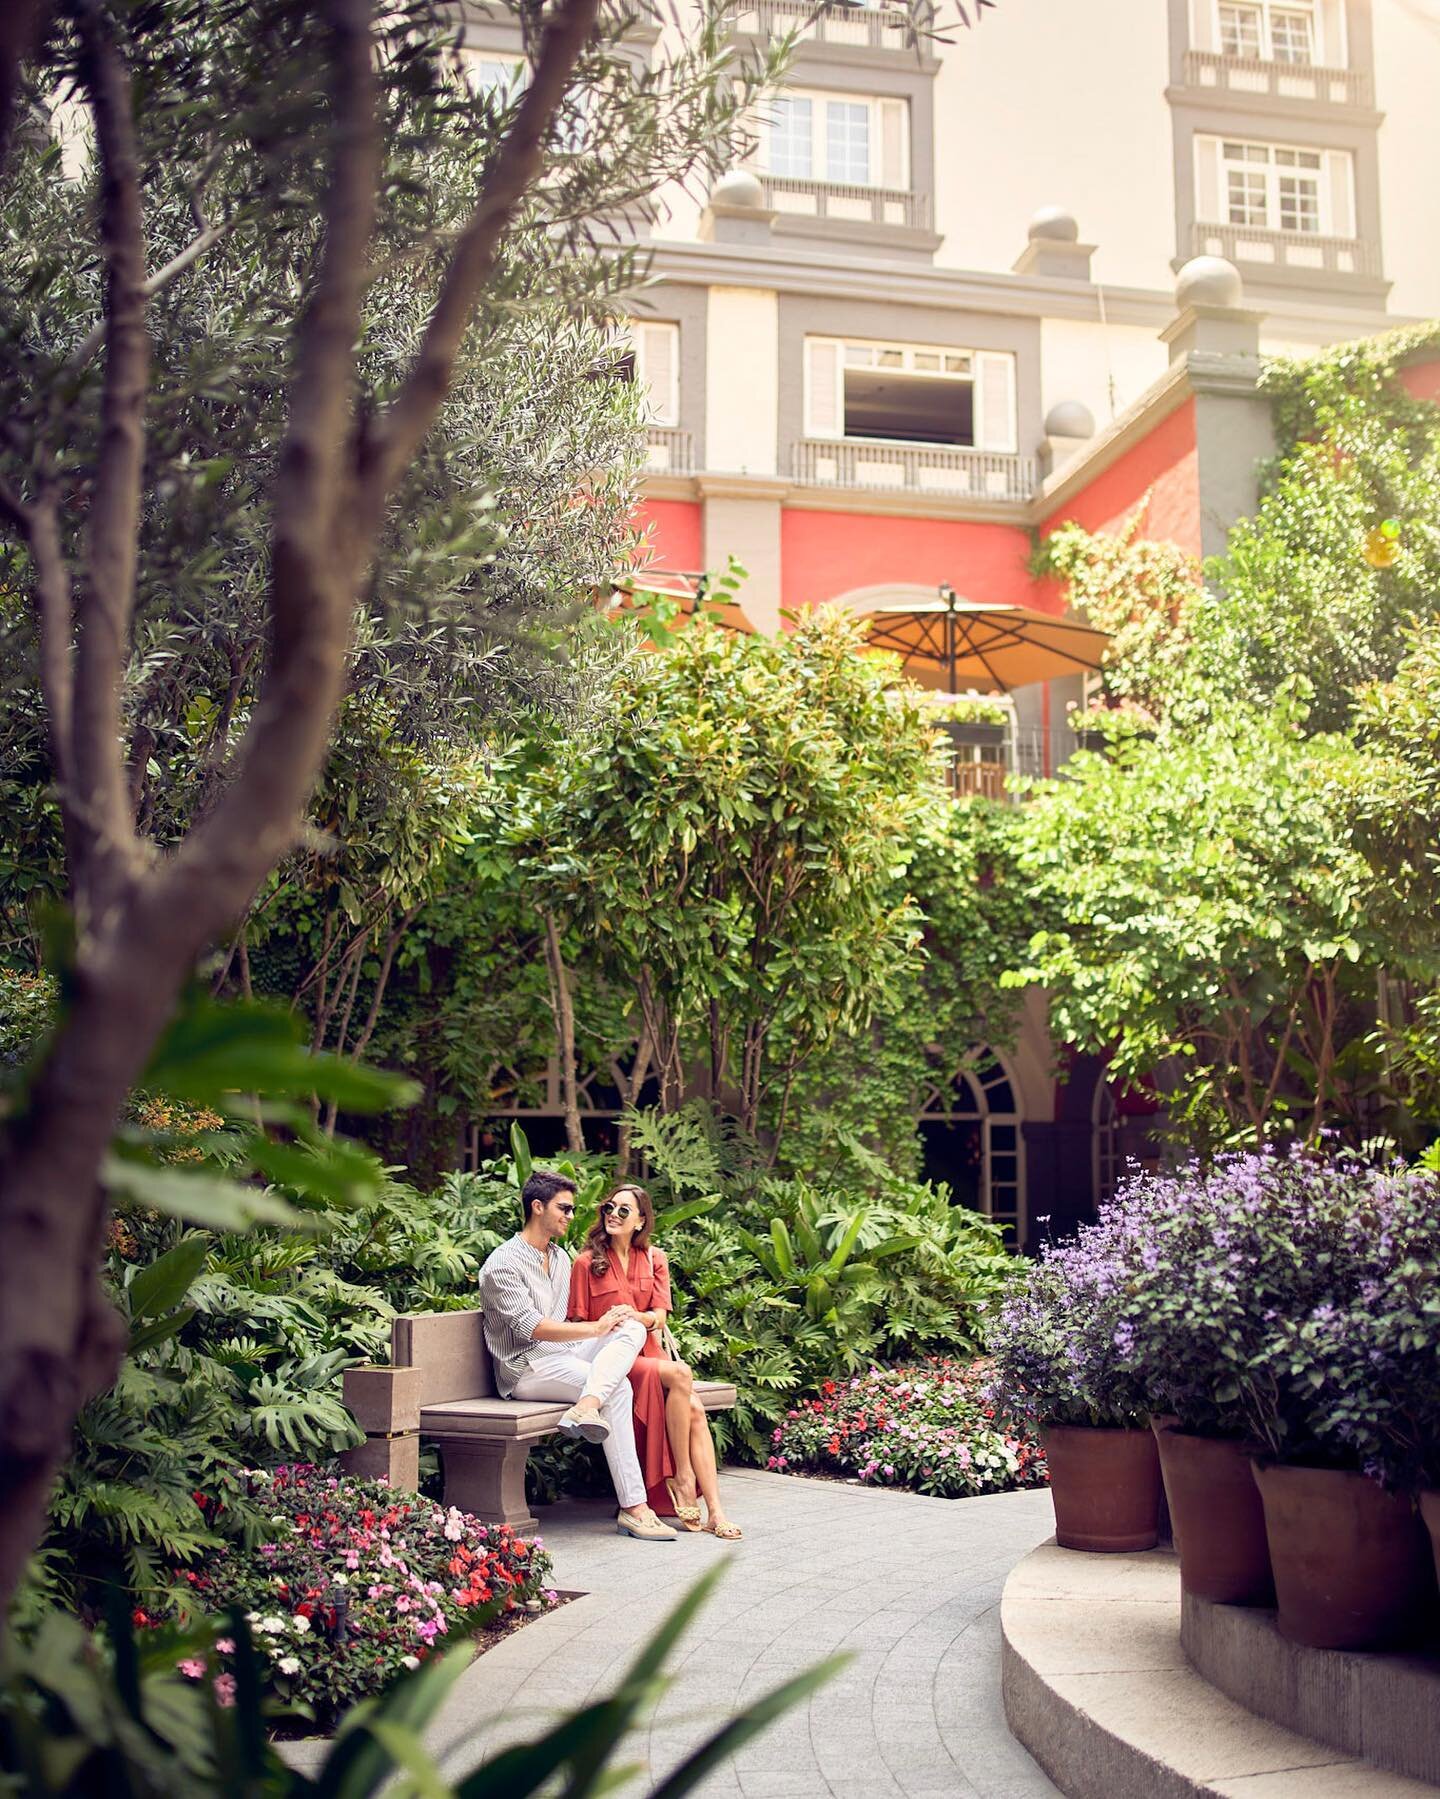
<point x="726" y="1531"/>
<point x="688" y="1515"/>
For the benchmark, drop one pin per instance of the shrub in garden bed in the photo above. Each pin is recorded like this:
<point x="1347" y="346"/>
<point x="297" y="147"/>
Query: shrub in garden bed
<point x="932" y="1427"/>
<point x="357" y="1583"/>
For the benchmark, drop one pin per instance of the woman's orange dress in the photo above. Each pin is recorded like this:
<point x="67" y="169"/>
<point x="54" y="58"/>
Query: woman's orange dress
<point x="646" y="1286"/>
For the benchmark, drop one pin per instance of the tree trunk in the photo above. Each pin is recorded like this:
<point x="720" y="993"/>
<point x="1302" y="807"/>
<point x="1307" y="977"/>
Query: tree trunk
<point x="563" y="1011"/>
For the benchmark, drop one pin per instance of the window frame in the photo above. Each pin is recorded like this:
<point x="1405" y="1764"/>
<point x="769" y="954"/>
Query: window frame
<point x="1271" y="173"/>
<point x="1323" y="54"/>
<point x="985" y="366"/>
<point x="637" y="330"/>
<point x="820" y="100"/>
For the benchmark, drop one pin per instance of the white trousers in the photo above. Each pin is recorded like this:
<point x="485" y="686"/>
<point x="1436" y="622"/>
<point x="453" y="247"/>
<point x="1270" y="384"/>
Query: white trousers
<point x="599" y="1367"/>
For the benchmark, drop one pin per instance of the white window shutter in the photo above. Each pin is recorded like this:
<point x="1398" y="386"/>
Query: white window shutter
<point x="1207" y="181"/>
<point x="1202" y="25"/>
<point x="1339" y="174"/>
<point x="994" y="401"/>
<point x="1331" y="51"/>
<point x="894" y="143"/>
<point x="657" y="366"/>
<point x="824" y="397"/>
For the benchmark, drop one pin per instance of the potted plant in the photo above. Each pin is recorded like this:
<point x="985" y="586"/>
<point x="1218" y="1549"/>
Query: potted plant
<point x="1215" y="1259"/>
<point x="1063" y="1362"/>
<point x="1358" y="1403"/>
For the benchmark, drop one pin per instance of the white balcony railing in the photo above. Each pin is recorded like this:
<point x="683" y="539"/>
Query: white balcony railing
<point x="669" y="451"/>
<point x="1287" y="249"/>
<point x="913" y="468"/>
<point x="838" y="200"/>
<point x="1278" y="80"/>
<point x="866" y="27"/>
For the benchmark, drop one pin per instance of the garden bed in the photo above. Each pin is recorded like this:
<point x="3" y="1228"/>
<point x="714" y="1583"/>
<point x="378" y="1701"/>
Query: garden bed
<point x="931" y="1426"/>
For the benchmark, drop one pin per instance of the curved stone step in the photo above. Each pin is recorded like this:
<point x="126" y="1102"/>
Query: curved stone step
<point x="1097" y="1688"/>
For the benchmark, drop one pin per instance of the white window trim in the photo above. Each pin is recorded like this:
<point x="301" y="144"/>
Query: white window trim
<point x="983" y="364"/>
<point x="819" y="99"/>
<point x="1324" y="55"/>
<point x="1271" y="171"/>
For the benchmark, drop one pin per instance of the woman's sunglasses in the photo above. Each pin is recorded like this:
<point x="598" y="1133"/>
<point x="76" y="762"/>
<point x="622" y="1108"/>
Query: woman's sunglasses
<point x="611" y="1209"/>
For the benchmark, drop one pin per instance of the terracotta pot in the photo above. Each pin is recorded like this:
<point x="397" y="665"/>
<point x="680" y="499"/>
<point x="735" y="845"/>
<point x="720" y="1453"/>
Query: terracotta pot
<point x="1430" y="1513"/>
<point x="1353" y="1568"/>
<point x="1217" y="1518"/>
<point x="1106" y="1487"/>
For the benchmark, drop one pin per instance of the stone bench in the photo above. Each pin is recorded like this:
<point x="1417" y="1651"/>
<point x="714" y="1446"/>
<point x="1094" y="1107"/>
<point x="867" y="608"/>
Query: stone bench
<point x="441" y="1385"/>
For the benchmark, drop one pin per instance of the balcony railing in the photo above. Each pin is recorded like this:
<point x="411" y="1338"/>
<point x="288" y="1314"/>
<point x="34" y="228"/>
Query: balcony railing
<point x="1287" y="249"/>
<point x="839" y="200"/>
<point x="981" y="771"/>
<point x="867" y="27"/>
<point x="913" y="468"/>
<point x="668" y="451"/>
<point x="1278" y="80"/>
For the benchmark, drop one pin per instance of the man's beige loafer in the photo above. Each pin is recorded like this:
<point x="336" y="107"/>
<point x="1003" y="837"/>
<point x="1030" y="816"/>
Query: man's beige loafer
<point x="648" y="1529"/>
<point x="593" y="1426"/>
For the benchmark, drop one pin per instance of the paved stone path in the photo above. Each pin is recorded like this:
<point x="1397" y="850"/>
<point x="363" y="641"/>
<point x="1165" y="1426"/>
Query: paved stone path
<point x="910" y="1585"/>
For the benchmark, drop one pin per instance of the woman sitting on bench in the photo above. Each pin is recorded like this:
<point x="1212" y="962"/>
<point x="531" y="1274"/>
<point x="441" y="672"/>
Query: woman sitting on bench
<point x="619" y="1266"/>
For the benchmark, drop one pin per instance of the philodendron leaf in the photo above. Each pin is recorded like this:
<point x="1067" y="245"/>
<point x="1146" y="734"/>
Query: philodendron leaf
<point x="162" y="1284"/>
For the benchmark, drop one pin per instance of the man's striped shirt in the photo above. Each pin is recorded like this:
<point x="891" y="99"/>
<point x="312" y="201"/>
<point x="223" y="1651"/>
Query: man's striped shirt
<point x="517" y="1290"/>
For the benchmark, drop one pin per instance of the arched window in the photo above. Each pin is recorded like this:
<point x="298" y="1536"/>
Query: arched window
<point x="1104" y="1141"/>
<point x="970" y="1135"/>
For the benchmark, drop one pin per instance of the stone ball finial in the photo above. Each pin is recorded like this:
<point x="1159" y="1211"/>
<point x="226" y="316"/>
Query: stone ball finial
<point x="1070" y="418"/>
<point x="1055" y="226"/>
<point x="1209" y="281"/>
<point x="737" y="187"/>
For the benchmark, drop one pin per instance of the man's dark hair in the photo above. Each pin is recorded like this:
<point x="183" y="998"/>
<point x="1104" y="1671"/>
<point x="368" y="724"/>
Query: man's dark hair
<point x="541" y="1188"/>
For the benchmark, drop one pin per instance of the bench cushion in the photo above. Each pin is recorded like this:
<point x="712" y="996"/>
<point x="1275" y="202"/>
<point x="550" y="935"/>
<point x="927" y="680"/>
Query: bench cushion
<point x="517" y="1420"/>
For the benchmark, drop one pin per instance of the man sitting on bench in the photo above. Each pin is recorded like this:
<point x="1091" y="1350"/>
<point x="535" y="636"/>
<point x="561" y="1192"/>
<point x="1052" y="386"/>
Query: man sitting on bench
<point x="537" y="1354"/>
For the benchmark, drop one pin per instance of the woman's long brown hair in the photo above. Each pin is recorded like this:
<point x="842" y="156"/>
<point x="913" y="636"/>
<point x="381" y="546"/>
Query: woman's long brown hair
<point x="599" y="1244"/>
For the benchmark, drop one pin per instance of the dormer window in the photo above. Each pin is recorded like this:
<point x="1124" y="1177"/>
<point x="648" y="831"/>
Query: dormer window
<point x="1267" y="32"/>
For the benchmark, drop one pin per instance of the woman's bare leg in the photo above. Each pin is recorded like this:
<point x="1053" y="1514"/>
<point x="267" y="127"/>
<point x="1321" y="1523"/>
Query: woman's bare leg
<point x="679" y="1385"/>
<point x="702" y="1459"/>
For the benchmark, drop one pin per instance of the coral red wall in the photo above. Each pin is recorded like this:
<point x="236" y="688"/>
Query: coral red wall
<point x="826" y="554"/>
<point x="1165" y="464"/>
<point x="675" y="539"/>
<point x="1423" y="380"/>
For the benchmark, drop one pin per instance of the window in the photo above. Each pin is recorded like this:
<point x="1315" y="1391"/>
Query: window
<point x="1264" y="31"/>
<point x="851" y="140"/>
<point x="909" y="393"/>
<point x="1274" y="187"/>
<point x="970" y="1138"/>
<point x="498" y="78"/>
<point x="654" y="363"/>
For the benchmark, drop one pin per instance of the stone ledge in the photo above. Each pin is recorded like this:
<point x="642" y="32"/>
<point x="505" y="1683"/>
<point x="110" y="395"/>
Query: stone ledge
<point x="1097" y="1687"/>
<point x="1383" y="1707"/>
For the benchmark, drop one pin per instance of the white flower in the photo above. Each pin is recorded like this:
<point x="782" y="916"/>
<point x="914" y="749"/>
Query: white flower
<point x="252" y="1617"/>
<point x="410" y="1661"/>
<point x="272" y="1626"/>
<point x="341" y="1580"/>
<point x="289" y="1664"/>
<point x="300" y="1624"/>
<point x="277" y="1517"/>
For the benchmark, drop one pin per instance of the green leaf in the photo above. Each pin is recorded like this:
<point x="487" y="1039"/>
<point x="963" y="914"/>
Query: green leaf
<point x="196" y="1197"/>
<point x="160" y="1286"/>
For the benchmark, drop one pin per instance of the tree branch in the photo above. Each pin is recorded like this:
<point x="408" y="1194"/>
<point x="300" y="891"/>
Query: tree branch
<point x="203" y="240"/>
<point x="109" y="846"/>
<point x="39" y="524"/>
<point x="392" y="445"/>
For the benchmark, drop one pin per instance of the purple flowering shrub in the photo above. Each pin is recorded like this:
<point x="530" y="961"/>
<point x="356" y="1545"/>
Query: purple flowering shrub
<point x="1371" y="1359"/>
<point x="357" y="1583"/>
<point x="1264" y="1299"/>
<point x="1061" y="1346"/>
<point x="931" y="1426"/>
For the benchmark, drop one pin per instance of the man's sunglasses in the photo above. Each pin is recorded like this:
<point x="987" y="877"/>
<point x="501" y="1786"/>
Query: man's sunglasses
<point x="611" y="1210"/>
<point x="569" y="1211"/>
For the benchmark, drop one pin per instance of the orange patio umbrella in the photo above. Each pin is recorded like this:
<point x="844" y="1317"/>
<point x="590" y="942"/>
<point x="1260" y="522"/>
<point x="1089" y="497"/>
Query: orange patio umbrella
<point x="962" y="645"/>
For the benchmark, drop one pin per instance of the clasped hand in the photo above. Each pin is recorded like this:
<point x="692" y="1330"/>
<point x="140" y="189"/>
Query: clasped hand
<point x="613" y="1319"/>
